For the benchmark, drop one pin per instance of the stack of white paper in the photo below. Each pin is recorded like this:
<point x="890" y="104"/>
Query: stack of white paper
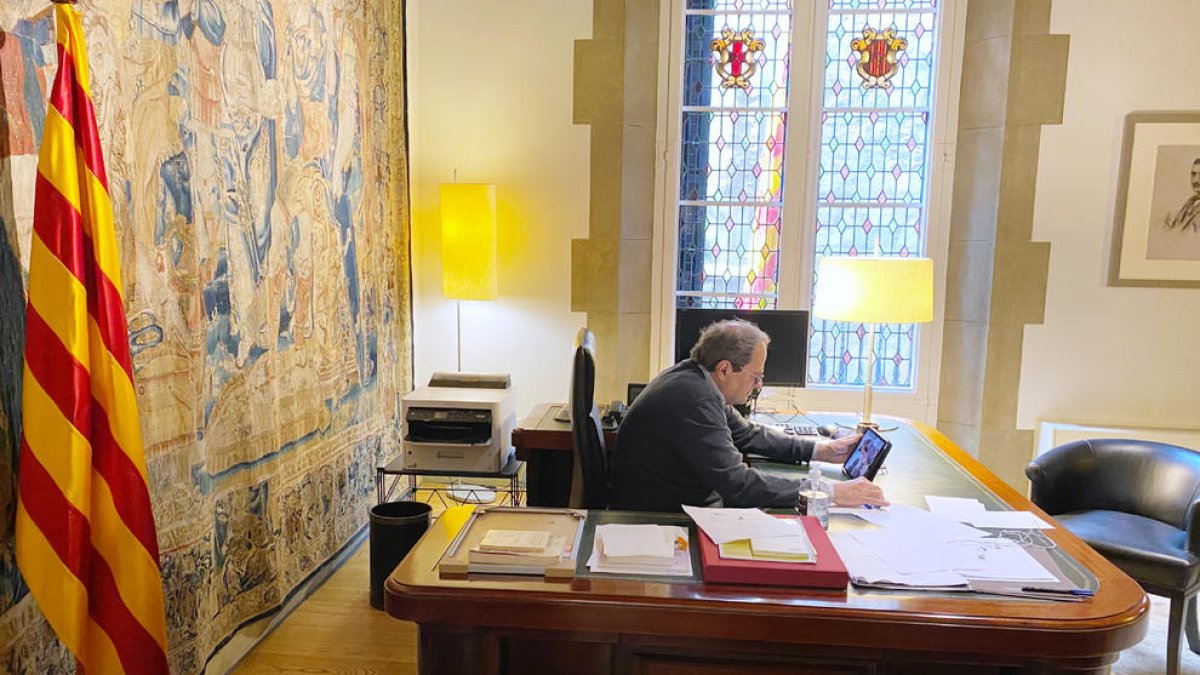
<point x="794" y="547"/>
<point x="791" y="548"/>
<point x="636" y="544"/>
<point x="640" y="549"/>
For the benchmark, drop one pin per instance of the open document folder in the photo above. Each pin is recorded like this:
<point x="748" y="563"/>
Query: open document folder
<point x="752" y="534"/>
<point x="727" y="543"/>
<point x="823" y="570"/>
<point x="913" y="548"/>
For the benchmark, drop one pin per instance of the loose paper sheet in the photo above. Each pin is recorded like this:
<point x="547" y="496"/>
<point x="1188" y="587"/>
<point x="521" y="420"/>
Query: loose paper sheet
<point x="920" y="520"/>
<point x="866" y="567"/>
<point x="973" y="512"/>
<point x="954" y="508"/>
<point x="726" y="525"/>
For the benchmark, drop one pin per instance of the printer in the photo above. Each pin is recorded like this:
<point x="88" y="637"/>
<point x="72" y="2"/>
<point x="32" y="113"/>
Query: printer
<point x="459" y="422"/>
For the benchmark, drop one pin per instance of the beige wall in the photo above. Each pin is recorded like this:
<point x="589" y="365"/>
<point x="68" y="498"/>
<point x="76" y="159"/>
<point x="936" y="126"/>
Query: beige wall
<point x="616" y="91"/>
<point x="1012" y="87"/>
<point x="1109" y="355"/>
<point x="1103" y="354"/>
<point x="490" y="93"/>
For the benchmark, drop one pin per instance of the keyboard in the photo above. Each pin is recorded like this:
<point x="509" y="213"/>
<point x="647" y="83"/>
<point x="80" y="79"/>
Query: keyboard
<point x="607" y="422"/>
<point x="800" y="429"/>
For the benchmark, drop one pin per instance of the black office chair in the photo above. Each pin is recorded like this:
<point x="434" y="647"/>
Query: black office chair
<point x="589" y="473"/>
<point x="1138" y="504"/>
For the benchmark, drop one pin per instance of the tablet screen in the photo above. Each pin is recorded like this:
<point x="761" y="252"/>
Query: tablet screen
<point x="864" y="454"/>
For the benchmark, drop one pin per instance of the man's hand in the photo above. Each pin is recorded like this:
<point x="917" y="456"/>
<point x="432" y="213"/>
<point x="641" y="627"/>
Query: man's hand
<point x="858" y="492"/>
<point x="835" y="450"/>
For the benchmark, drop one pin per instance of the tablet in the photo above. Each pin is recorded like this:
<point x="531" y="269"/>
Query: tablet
<point x="867" y="456"/>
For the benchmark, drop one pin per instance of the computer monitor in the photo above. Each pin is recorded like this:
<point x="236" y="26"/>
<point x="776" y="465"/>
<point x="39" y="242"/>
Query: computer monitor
<point x="787" y="359"/>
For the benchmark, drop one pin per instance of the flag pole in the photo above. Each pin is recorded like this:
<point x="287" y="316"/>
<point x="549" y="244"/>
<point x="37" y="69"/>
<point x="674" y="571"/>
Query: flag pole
<point x="46" y="12"/>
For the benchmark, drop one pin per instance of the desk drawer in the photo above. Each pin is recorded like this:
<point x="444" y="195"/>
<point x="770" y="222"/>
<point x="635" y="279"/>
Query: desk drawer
<point x="662" y="664"/>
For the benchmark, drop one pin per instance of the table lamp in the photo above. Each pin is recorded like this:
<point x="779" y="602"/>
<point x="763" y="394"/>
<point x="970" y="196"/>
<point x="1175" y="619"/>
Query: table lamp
<point x="873" y="290"/>
<point x="468" y="246"/>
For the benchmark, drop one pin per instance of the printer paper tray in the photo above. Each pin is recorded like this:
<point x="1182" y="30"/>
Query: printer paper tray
<point x="443" y="457"/>
<point x="442" y="444"/>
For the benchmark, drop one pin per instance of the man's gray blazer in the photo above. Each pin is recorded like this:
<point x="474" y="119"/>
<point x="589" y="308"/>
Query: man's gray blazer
<point x="679" y="444"/>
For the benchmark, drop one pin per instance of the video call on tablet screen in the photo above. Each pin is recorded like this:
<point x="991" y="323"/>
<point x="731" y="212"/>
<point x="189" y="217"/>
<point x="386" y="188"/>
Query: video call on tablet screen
<point x="864" y="454"/>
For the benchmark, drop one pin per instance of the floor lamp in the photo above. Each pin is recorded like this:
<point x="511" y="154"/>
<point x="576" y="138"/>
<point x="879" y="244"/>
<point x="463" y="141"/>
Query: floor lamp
<point x="468" y="246"/>
<point x="873" y="290"/>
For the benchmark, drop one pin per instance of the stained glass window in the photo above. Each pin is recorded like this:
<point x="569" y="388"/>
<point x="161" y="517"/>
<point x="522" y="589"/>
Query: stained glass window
<point x="871" y="176"/>
<point x="731" y="164"/>
<point x="871" y="172"/>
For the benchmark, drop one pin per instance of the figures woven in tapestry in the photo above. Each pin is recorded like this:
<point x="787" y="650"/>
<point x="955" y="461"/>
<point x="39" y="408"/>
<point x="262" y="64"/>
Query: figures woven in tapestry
<point x="256" y="168"/>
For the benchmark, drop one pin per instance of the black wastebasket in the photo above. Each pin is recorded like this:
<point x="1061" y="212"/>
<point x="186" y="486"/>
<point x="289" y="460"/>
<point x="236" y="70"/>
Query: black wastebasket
<point x="395" y="527"/>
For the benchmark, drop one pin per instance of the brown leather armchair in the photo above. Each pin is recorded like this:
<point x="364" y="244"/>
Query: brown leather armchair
<point x="1138" y="504"/>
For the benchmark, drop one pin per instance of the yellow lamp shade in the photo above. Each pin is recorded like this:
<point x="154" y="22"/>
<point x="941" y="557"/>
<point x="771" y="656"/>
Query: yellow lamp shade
<point x="874" y="290"/>
<point x="469" y="241"/>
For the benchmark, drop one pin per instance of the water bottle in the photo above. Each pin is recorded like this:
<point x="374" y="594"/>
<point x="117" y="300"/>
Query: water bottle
<point x="814" y="497"/>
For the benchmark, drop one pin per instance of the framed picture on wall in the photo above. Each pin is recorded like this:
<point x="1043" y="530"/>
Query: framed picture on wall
<point x="1156" y="231"/>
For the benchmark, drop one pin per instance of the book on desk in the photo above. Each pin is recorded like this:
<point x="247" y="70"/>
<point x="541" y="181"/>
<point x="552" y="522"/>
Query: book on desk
<point x="506" y="540"/>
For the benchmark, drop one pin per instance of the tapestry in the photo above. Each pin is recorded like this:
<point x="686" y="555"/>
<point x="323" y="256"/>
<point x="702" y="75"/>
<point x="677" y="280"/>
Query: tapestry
<point x="256" y="155"/>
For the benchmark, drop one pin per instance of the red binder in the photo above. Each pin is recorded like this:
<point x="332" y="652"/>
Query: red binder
<point x="827" y="572"/>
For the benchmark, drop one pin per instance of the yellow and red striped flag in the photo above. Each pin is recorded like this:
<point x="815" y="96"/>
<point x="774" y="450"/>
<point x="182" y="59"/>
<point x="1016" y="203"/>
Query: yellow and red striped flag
<point x="85" y="536"/>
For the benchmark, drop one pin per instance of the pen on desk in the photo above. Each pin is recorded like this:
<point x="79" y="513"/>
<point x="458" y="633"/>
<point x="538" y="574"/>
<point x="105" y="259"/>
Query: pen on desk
<point x="1080" y="592"/>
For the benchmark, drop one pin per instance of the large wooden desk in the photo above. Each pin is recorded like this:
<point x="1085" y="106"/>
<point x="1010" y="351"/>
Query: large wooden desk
<point x="545" y="445"/>
<point x="499" y="624"/>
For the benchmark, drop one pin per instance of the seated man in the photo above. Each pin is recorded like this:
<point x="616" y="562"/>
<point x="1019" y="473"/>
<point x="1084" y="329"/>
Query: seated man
<point x="681" y="441"/>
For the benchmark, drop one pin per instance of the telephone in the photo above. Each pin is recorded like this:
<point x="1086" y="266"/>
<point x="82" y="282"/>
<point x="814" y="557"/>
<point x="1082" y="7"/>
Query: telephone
<point x="614" y="412"/>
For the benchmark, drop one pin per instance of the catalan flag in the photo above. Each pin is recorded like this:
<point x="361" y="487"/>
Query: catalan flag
<point x="85" y="536"/>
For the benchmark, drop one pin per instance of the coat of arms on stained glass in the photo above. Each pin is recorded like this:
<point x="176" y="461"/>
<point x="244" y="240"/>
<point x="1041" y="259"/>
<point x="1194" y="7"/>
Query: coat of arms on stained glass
<point x="877" y="54"/>
<point x="734" y="64"/>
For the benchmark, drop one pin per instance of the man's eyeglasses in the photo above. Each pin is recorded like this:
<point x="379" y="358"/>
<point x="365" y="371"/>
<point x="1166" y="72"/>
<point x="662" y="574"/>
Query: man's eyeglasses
<point x="758" y="378"/>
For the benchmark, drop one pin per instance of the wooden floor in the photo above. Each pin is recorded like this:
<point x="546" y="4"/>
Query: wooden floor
<point x="336" y="631"/>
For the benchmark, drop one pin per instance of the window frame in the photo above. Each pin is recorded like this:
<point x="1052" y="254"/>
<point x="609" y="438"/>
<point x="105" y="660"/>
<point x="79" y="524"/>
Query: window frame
<point x="799" y="205"/>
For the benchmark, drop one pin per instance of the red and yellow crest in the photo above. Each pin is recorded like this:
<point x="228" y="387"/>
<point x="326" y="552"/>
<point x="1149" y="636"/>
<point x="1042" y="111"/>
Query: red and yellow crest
<point x="877" y="56"/>
<point x="734" y="64"/>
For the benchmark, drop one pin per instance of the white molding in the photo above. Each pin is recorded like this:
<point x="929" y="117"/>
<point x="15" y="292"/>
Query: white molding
<point x="1052" y="433"/>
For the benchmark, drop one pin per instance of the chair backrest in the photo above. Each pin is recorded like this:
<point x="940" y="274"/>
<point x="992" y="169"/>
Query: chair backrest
<point x="589" y="475"/>
<point x="1145" y="478"/>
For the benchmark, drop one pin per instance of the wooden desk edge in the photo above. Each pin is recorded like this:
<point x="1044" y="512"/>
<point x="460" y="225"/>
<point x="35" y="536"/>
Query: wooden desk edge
<point x="1106" y="573"/>
<point x="538" y="430"/>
